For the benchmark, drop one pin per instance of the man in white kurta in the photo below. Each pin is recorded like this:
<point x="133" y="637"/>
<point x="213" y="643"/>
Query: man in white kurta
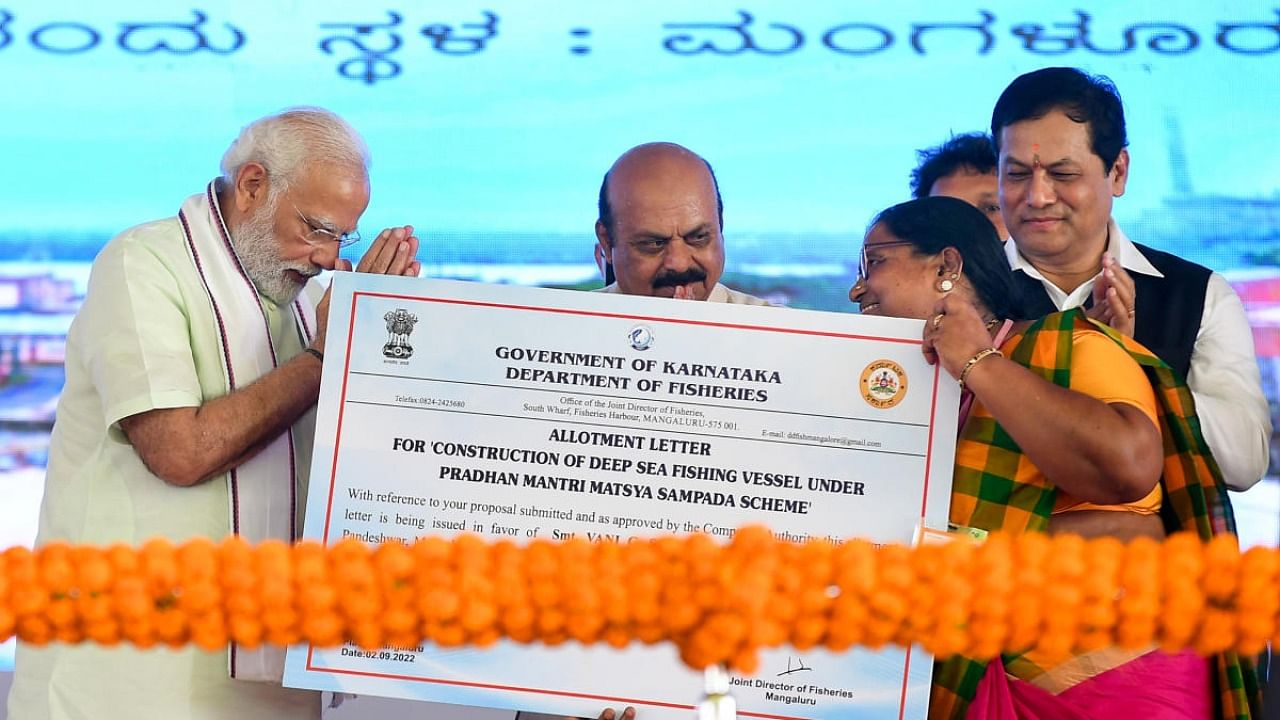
<point x="193" y="369"/>
<point x="144" y="339"/>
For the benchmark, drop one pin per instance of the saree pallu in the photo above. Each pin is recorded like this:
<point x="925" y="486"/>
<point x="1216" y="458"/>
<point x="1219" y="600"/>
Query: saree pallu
<point x="990" y="495"/>
<point x="1154" y="685"/>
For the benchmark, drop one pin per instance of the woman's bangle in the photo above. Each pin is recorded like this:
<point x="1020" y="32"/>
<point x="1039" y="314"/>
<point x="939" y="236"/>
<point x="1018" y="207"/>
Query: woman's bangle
<point x="977" y="358"/>
<point x="320" y="356"/>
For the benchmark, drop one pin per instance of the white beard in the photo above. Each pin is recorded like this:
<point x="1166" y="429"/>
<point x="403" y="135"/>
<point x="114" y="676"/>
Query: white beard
<point x="257" y="247"/>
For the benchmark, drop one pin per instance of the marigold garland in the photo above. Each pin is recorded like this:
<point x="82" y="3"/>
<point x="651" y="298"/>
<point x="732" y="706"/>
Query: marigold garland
<point x="719" y="604"/>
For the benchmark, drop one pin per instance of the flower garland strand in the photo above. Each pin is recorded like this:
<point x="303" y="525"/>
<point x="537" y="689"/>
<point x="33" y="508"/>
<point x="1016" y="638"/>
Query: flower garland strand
<point x="718" y="604"/>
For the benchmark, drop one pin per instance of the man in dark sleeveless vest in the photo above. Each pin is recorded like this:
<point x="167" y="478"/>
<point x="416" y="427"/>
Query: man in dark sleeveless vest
<point x="1060" y="139"/>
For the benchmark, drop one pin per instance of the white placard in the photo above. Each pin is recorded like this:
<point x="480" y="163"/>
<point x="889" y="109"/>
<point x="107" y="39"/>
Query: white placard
<point x="518" y="412"/>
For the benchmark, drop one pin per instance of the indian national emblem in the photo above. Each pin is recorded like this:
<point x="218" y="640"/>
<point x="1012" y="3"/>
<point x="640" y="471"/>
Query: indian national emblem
<point x="400" y="324"/>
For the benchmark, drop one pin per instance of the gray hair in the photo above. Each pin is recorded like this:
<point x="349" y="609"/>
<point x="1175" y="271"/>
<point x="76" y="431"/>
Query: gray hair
<point x="289" y="141"/>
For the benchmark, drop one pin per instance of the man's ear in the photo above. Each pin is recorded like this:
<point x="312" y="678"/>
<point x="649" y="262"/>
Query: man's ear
<point x="603" y="243"/>
<point x="1120" y="173"/>
<point x="252" y="186"/>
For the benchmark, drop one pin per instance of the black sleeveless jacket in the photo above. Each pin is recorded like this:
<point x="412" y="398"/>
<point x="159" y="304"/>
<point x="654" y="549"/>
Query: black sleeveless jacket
<point x="1168" y="308"/>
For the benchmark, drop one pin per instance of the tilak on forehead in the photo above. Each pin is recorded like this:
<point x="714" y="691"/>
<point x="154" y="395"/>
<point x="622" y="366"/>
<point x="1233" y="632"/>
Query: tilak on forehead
<point x="1035" y="157"/>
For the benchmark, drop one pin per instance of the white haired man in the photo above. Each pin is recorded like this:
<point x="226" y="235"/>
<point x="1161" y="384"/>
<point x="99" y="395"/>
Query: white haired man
<point x="192" y="369"/>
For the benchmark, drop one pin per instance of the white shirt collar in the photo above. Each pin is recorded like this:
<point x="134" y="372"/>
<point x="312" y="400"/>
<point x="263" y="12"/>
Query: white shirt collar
<point x="1120" y="247"/>
<point x="719" y="293"/>
<point x="1130" y="257"/>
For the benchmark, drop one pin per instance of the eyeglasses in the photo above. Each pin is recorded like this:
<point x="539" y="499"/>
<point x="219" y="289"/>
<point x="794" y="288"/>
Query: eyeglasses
<point x="862" y="263"/>
<point x="318" y="234"/>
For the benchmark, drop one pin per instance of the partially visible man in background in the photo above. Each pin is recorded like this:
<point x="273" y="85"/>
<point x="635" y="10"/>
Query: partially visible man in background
<point x="963" y="167"/>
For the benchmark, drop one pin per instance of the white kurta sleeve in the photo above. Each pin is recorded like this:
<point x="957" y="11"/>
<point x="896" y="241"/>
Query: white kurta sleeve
<point x="1227" y="386"/>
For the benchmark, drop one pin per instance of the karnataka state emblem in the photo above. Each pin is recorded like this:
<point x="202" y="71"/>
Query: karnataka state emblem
<point x="400" y="324"/>
<point x="883" y="384"/>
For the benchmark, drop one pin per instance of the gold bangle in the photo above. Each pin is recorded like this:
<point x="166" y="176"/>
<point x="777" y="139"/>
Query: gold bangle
<point x="977" y="358"/>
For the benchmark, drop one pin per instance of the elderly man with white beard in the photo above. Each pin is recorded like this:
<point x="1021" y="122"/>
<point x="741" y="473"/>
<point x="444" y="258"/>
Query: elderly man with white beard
<point x="192" y="372"/>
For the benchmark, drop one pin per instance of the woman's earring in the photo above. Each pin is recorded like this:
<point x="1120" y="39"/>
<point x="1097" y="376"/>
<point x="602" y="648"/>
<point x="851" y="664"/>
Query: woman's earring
<point x="948" y="284"/>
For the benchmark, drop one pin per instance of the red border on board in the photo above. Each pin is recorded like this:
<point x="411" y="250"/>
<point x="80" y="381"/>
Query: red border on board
<point x="540" y="691"/>
<point x="342" y="407"/>
<point x="333" y="472"/>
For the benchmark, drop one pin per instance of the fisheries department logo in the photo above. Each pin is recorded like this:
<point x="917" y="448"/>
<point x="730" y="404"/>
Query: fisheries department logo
<point x="400" y="324"/>
<point x="883" y="384"/>
<point x="641" y="337"/>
